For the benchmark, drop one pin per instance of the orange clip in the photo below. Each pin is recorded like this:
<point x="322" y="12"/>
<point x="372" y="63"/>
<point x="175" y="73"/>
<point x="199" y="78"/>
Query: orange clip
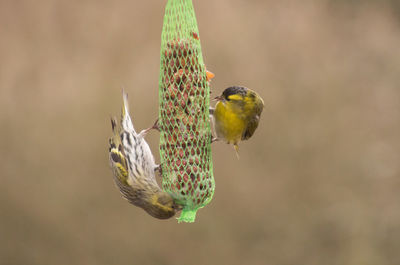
<point x="209" y="75"/>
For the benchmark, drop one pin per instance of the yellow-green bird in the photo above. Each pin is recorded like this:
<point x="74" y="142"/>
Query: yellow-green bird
<point x="237" y="114"/>
<point x="133" y="167"/>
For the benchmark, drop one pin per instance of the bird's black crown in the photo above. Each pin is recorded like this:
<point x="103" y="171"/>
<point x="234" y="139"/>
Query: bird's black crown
<point x="233" y="90"/>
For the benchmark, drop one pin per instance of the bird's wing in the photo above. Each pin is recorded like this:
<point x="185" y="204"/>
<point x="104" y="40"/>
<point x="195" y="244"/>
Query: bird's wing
<point x="251" y="127"/>
<point x="118" y="161"/>
<point x="139" y="157"/>
<point x="253" y="122"/>
<point x="128" y="168"/>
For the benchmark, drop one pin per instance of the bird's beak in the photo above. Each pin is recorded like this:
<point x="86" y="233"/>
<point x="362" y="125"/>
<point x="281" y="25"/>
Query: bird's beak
<point x="219" y="98"/>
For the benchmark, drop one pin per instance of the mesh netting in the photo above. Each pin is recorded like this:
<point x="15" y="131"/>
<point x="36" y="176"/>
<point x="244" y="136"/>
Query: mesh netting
<point x="185" y="140"/>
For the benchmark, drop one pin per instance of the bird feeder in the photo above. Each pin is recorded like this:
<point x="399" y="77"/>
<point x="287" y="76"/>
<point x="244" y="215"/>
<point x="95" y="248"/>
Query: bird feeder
<point x="185" y="131"/>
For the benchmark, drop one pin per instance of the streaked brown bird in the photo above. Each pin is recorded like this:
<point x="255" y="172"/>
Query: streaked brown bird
<point x="133" y="168"/>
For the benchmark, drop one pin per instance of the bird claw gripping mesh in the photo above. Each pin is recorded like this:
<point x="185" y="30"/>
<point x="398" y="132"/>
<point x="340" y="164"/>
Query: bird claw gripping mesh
<point x="185" y="139"/>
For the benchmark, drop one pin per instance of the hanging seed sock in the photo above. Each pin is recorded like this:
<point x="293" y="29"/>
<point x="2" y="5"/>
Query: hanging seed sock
<point x="185" y="139"/>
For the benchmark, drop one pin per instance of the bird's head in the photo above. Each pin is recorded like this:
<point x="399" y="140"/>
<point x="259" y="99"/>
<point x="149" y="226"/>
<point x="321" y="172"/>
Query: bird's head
<point x="234" y="93"/>
<point x="162" y="206"/>
<point x="233" y="96"/>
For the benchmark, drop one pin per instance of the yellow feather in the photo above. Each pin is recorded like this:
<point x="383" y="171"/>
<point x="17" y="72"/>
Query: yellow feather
<point x="235" y="97"/>
<point x="231" y="126"/>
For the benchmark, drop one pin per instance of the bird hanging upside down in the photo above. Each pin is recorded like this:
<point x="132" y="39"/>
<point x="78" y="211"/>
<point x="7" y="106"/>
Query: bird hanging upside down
<point x="237" y="114"/>
<point x="133" y="168"/>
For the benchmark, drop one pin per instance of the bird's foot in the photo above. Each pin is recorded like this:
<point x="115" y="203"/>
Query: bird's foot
<point x="154" y="126"/>
<point x="158" y="169"/>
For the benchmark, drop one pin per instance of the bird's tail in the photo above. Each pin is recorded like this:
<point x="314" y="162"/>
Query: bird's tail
<point x="236" y="146"/>
<point x="126" y="120"/>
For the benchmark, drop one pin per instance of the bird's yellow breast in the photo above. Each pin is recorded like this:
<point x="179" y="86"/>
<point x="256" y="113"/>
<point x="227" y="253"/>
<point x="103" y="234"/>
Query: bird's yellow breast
<point x="229" y="124"/>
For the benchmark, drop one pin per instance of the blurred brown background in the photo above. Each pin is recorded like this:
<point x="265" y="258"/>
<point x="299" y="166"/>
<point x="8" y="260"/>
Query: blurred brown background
<point x="317" y="184"/>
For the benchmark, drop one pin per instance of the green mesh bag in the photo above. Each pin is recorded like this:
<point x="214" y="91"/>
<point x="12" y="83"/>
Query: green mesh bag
<point x="185" y="139"/>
